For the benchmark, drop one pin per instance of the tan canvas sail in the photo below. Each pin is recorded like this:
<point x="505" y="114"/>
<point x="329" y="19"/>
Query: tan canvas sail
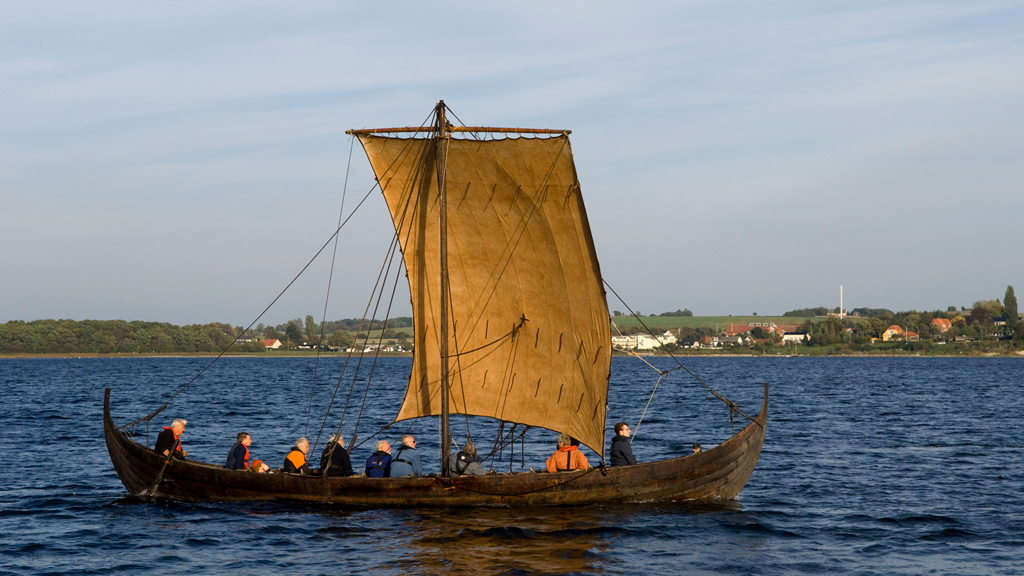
<point x="529" y="334"/>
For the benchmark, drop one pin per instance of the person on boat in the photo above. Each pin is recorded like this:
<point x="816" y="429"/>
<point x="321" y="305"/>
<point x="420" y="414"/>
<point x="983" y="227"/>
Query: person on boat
<point x="259" y="467"/>
<point x="378" y="465"/>
<point x="168" y="442"/>
<point x="467" y="462"/>
<point x="567" y="457"/>
<point x="622" y="451"/>
<point x="295" y="461"/>
<point x="334" y="461"/>
<point x="406" y="462"/>
<point x="238" y="457"/>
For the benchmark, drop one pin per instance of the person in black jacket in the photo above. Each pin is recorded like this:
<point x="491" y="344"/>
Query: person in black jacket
<point x="622" y="452"/>
<point x="168" y="443"/>
<point x="238" y="456"/>
<point x="334" y="460"/>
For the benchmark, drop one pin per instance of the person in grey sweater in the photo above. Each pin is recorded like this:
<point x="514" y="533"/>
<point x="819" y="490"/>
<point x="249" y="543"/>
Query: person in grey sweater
<point x="467" y="462"/>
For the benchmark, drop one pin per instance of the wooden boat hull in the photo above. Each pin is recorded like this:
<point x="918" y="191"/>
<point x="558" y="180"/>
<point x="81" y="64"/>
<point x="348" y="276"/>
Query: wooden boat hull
<point x="718" y="473"/>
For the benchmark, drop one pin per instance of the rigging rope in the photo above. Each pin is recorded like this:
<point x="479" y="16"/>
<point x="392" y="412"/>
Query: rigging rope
<point x="733" y="407"/>
<point x="362" y="352"/>
<point x="153" y="414"/>
<point x="388" y="256"/>
<point x="330" y="278"/>
<point x="376" y="355"/>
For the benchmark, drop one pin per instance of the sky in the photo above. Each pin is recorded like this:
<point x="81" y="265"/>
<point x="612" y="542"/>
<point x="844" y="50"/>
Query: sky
<point x="182" y="161"/>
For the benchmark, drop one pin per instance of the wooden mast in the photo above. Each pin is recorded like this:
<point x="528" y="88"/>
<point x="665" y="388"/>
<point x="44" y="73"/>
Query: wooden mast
<point x="441" y="152"/>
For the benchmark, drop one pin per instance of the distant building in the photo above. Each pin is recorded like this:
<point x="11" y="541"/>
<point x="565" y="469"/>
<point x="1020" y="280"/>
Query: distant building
<point x="711" y="342"/>
<point x="645" y="342"/>
<point x="636" y="342"/>
<point x="364" y="348"/>
<point x="689" y="343"/>
<point x="272" y="344"/>
<point x="893" y="333"/>
<point x="737" y="329"/>
<point x="625" y="342"/>
<point x="942" y="324"/>
<point x="667" y="338"/>
<point x="911" y="336"/>
<point x="794" y="337"/>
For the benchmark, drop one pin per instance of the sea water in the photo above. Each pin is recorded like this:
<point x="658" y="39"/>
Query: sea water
<point x="870" y="466"/>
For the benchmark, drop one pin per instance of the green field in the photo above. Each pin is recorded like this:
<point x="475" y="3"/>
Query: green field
<point x="667" y="322"/>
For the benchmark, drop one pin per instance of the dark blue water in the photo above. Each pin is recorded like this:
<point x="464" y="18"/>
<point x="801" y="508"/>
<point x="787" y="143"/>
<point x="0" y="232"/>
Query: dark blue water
<point x="870" y="466"/>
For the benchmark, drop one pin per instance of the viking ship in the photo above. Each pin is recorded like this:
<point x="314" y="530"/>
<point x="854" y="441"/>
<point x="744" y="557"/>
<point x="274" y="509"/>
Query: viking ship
<point x="510" y="322"/>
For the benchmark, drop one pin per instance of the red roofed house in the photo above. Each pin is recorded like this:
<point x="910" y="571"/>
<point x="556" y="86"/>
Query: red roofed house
<point x="892" y="332"/>
<point x="911" y="336"/>
<point x="737" y="329"/>
<point x="734" y="329"/>
<point x="942" y="324"/>
<point x="271" y="344"/>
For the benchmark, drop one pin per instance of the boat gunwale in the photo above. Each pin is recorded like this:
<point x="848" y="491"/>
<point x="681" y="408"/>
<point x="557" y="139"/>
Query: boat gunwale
<point x="717" y="473"/>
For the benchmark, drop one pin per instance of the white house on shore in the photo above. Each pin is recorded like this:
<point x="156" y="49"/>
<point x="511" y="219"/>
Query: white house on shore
<point x="636" y="342"/>
<point x="794" y="337"/>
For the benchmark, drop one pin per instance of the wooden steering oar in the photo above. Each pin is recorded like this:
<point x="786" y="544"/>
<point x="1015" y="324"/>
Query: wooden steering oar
<point x="160" y="475"/>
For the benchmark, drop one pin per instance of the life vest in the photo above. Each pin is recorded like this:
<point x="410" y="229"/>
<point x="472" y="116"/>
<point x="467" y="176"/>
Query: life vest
<point x="462" y="462"/>
<point x="232" y="461"/>
<point x="297" y="458"/>
<point x="376" y="466"/>
<point x="568" y="458"/>
<point x="399" y="453"/>
<point x="177" y="441"/>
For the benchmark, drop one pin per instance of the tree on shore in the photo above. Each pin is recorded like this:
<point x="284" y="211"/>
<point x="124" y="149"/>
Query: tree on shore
<point x="311" y="333"/>
<point x="1013" y="324"/>
<point x="293" y="333"/>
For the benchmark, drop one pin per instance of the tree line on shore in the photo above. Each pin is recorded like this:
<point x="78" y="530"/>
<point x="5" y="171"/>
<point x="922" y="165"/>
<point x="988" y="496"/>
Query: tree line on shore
<point x="986" y="320"/>
<point x="120" y="336"/>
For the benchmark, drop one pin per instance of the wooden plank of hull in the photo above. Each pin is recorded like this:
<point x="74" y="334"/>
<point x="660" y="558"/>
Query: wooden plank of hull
<point x="719" y="473"/>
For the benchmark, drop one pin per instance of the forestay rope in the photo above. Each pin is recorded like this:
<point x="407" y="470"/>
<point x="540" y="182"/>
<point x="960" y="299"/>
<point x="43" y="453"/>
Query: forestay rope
<point x="330" y="278"/>
<point x="337" y="231"/>
<point x="733" y="407"/>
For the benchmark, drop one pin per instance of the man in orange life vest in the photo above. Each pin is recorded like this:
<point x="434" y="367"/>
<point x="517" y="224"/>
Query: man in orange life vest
<point x="168" y="442"/>
<point x="238" y="458"/>
<point x="567" y="457"/>
<point x="295" y="461"/>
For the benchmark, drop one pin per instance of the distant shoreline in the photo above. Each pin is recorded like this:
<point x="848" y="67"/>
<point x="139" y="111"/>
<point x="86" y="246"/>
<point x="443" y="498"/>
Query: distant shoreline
<point x="887" y="354"/>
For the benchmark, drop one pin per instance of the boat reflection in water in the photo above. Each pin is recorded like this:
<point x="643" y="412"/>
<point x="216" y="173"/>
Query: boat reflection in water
<point x="521" y="541"/>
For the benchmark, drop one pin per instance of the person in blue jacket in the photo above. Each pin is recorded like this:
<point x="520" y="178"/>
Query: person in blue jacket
<point x="378" y="465"/>
<point x="405" y="461"/>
